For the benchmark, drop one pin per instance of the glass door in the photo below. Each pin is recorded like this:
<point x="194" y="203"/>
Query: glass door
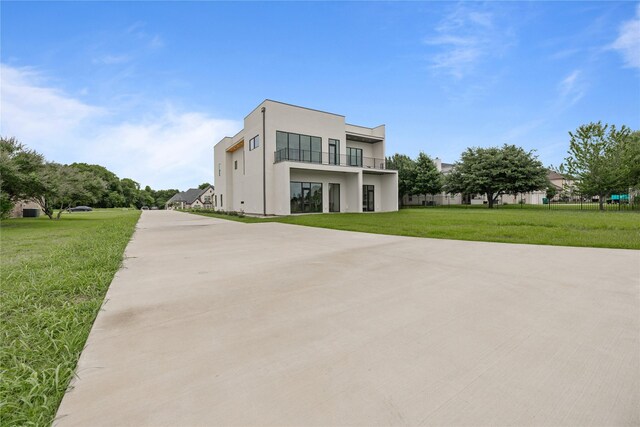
<point x="334" y="197"/>
<point x="368" y="198"/>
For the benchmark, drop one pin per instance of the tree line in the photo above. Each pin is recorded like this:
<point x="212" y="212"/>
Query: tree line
<point x="602" y="160"/>
<point x="26" y="175"/>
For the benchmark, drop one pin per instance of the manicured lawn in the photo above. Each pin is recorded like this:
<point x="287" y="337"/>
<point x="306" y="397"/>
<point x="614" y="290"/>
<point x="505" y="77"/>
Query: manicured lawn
<point x="53" y="278"/>
<point x="535" y="226"/>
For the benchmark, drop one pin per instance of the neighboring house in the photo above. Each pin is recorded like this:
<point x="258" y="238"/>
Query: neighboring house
<point x="290" y="159"/>
<point x="193" y="198"/>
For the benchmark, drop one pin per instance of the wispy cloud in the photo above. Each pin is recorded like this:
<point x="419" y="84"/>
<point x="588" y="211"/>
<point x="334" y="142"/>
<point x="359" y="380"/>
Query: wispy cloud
<point x="571" y="89"/>
<point x="628" y="41"/>
<point x="137" y="29"/>
<point x="112" y="59"/>
<point x="464" y="38"/>
<point x="164" y="148"/>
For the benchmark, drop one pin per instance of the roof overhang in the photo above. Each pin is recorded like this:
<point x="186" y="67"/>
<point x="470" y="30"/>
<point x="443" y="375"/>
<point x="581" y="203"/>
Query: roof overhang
<point x="235" y="147"/>
<point x="358" y="137"/>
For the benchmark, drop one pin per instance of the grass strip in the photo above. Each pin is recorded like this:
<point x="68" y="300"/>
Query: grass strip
<point x="53" y="279"/>
<point x="585" y="228"/>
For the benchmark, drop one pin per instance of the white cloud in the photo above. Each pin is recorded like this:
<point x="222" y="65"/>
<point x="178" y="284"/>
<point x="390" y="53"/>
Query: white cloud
<point x="464" y="38"/>
<point x="628" y="41"/>
<point x="571" y="89"/>
<point x="165" y="149"/>
<point x="172" y="149"/>
<point x="34" y="112"/>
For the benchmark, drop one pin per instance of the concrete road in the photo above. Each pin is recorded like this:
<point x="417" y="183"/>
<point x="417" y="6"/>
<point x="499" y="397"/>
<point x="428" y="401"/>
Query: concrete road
<point x="212" y="322"/>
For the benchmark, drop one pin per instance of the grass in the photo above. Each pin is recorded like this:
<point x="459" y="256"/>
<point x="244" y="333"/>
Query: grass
<point x="53" y="278"/>
<point x="514" y="225"/>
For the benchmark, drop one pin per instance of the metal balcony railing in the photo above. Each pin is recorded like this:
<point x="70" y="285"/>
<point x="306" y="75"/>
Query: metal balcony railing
<point x="324" y="158"/>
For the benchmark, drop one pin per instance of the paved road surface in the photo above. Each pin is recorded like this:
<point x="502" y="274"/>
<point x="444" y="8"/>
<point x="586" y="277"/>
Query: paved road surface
<point x="213" y="322"/>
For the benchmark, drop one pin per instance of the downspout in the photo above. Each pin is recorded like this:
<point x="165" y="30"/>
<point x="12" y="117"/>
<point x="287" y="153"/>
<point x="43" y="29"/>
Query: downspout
<point x="264" y="164"/>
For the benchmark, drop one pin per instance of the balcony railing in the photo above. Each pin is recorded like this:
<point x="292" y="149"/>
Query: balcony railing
<point x="323" y="158"/>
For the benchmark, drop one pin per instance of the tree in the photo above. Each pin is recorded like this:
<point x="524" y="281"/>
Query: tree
<point x="19" y="167"/>
<point x="203" y="185"/>
<point x="631" y="160"/>
<point x="406" y="168"/>
<point x="428" y="179"/>
<point x="131" y="191"/>
<point x="60" y="186"/>
<point x="162" y="196"/>
<point x="106" y="198"/>
<point x="496" y="171"/>
<point x="596" y="160"/>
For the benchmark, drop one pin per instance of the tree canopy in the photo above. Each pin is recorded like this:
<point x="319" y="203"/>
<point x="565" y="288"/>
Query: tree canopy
<point x="495" y="171"/>
<point x="428" y="179"/>
<point x="406" y="168"/>
<point x="601" y="159"/>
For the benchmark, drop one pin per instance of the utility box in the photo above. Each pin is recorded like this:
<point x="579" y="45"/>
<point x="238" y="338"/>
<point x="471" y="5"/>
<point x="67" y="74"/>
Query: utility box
<point x="30" y="213"/>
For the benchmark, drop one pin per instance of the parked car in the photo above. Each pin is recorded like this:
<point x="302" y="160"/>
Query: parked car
<point x="80" y="209"/>
<point x="154" y="208"/>
<point x="144" y="208"/>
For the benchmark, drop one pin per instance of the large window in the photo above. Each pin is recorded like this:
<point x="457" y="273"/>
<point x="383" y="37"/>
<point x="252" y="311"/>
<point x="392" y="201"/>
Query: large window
<point x="334" y="152"/>
<point x="301" y="148"/>
<point x="254" y="142"/>
<point x="354" y="156"/>
<point x="306" y="197"/>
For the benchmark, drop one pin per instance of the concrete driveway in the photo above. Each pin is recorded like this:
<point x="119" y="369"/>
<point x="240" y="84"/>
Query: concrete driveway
<point x="213" y="322"/>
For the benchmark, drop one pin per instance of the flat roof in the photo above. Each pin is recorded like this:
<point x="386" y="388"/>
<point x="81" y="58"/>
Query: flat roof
<point x="292" y="105"/>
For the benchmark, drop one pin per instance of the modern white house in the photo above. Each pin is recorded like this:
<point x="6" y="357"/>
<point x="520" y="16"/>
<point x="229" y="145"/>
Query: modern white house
<point x="290" y="159"/>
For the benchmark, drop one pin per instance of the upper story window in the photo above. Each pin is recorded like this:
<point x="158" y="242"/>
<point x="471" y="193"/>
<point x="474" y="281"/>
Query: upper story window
<point x="294" y="146"/>
<point x="254" y="142"/>
<point x="354" y="156"/>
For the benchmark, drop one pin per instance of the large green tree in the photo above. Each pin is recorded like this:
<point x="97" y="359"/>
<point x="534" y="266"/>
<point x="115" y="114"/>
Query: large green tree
<point x="496" y="171"/>
<point x="406" y="168"/>
<point x="62" y="186"/>
<point x="19" y="169"/>
<point x="596" y="160"/>
<point x="428" y="179"/>
<point x="106" y="198"/>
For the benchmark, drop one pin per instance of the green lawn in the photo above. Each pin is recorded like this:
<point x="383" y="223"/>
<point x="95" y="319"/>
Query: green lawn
<point x="514" y="225"/>
<point x="53" y="278"/>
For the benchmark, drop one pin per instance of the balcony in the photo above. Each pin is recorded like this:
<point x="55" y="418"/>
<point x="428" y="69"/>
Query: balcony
<point x="323" y="158"/>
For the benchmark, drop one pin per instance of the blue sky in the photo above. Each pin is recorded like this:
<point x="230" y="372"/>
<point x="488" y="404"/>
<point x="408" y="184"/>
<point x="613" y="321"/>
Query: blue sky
<point x="147" y="88"/>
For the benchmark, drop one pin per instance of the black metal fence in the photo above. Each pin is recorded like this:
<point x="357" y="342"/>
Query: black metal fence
<point x="621" y="202"/>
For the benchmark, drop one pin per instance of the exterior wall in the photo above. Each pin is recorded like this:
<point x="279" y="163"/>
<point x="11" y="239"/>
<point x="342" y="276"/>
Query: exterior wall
<point x="242" y="188"/>
<point x="384" y="198"/>
<point x="16" y="212"/>
<point x="203" y="198"/>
